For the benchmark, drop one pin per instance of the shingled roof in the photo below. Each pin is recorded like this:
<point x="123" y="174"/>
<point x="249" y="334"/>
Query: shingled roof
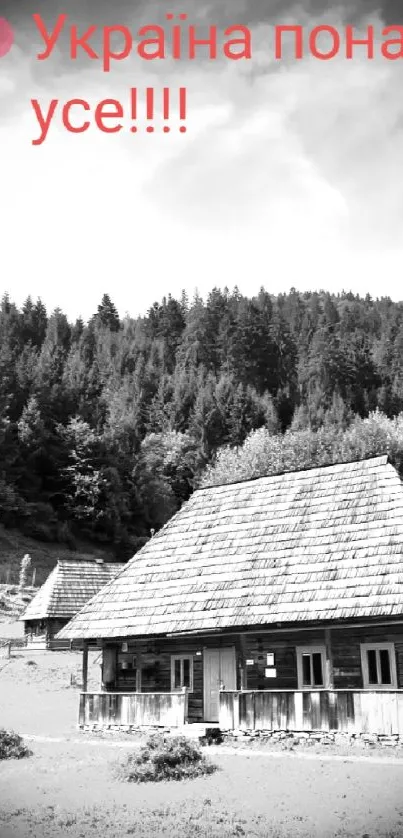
<point x="68" y="587"/>
<point x="321" y="544"/>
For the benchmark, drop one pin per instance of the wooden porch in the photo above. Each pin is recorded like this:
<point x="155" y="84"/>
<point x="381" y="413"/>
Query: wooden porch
<point x="343" y="711"/>
<point x="106" y="709"/>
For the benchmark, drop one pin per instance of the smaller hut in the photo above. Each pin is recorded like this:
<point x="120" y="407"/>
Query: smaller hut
<point x="70" y="585"/>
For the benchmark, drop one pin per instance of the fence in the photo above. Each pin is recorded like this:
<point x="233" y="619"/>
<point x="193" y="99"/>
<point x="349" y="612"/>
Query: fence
<point x="10" y="576"/>
<point x="7" y="644"/>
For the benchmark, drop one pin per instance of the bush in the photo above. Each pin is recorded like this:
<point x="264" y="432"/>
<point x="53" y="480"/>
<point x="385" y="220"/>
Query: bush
<point x="165" y="759"/>
<point x="12" y="746"/>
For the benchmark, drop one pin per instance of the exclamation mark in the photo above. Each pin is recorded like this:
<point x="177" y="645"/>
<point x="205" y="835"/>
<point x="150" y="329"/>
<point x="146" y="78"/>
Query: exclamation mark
<point x="134" y="108"/>
<point x="182" y="107"/>
<point x="150" y="107"/>
<point x="166" y="108"/>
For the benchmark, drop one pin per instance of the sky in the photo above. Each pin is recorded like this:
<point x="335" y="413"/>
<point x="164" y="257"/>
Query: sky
<point x="289" y="173"/>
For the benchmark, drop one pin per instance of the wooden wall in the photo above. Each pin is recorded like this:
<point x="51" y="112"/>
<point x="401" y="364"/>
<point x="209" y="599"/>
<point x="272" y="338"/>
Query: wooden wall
<point x="154" y="660"/>
<point x="46" y="628"/>
<point x="343" y="648"/>
<point x="347" y="657"/>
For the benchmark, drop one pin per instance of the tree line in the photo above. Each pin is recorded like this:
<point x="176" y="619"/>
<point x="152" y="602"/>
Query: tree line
<point x="107" y="426"/>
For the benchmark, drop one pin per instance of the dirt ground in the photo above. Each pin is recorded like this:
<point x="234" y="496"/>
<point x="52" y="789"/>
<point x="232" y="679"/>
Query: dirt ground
<point x="36" y="695"/>
<point x="67" y="787"/>
<point x="69" y="790"/>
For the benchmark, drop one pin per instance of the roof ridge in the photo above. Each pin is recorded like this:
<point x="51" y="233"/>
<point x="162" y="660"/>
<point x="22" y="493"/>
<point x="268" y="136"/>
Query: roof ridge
<point x="385" y="457"/>
<point x="90" y="562"/>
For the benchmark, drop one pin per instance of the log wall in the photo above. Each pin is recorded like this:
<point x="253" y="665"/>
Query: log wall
<point x="154" y="662"/>
<point x="344" y="655"/>
<point x="150" y="662"/>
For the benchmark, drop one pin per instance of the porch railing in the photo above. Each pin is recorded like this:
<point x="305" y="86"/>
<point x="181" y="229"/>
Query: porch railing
<point x="103" y="709"/>
<point x="345" y="711"/>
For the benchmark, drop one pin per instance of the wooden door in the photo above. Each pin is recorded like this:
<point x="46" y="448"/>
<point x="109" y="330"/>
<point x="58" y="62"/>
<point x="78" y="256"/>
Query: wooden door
<point x="219" y="671"/>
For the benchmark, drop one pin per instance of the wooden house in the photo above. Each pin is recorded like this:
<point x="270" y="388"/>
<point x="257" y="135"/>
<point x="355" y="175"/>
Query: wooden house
<point x="68" y="587"/>
<point x="273" y="604"/>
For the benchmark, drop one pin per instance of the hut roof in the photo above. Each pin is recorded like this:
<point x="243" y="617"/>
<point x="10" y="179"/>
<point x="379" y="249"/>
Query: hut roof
<point x="320" y="544"/>
<point x="68" y="587"/>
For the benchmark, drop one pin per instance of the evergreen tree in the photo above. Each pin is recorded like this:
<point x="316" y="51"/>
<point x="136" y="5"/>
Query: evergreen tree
<point x="106" y="426"/>
<point x="107" y="314"/>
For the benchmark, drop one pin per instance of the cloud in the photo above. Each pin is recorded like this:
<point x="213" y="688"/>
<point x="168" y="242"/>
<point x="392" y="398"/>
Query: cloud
<point x="287" y="175"/>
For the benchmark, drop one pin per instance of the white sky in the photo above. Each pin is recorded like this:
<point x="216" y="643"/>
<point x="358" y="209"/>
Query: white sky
<point x="288" y="175"/>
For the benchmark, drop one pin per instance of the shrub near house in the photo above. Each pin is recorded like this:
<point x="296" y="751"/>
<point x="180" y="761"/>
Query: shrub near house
<point x="165" y="759"/>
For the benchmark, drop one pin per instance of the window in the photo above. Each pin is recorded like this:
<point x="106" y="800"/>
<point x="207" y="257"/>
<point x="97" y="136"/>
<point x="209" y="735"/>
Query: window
<point x="181" y="673"/>
<point x="311" y="666"/>
<point x="378" y="665"/>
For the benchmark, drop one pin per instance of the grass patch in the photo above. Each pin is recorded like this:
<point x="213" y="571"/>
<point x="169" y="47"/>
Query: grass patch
<point x="176" y="758"/>
<point x="12" y="746"/>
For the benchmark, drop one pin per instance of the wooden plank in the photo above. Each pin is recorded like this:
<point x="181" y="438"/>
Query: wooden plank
<point x="316" y="722"/>
<point x="283" y="708"/>
<point x="236" y="711"/>
<point x="124" y="710"/>
<point x="81" y="710"/>
<point x="306" y="711"/>
<point x="103" y="714"/>
<point x="342" y="712"/>
<point x="291" y="715"/>
<point x="298" y="711"/>
<point x="332" y="711"/>
<point x="324" y="711"/>
<point x="226" y="715"/>
<point x="259" y="711"/>
<point x="90" y="708"/>
<point x="365" y="721"/>
<point x="246" y="711"/>
<point x="113" y="708"/>
<point x="399" y="701"/>
<point x="350" y="713"/>
<point x="358" y="717"/>
<point x="95" y="709"/>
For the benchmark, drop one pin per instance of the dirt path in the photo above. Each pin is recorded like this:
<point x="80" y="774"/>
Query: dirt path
<point x="374" y="757"/>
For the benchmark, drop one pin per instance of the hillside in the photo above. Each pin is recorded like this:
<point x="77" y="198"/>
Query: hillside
<point x="14" y="545"/>
<point x="107" y="426"/>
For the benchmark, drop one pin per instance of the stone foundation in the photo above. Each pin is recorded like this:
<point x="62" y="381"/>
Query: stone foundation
<point x="287" y="738"/>
<point x="96" y="728"/>
<point x="318" y="737"/>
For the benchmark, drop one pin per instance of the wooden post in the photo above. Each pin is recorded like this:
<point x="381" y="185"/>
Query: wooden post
<point x="236" y="710"/>
<point x="243" y="669"/>
<point x="329" y="660"/>
<point x="138" y="670"/>
<point x="186" y="704"/>
<point x="85" y="666"/>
